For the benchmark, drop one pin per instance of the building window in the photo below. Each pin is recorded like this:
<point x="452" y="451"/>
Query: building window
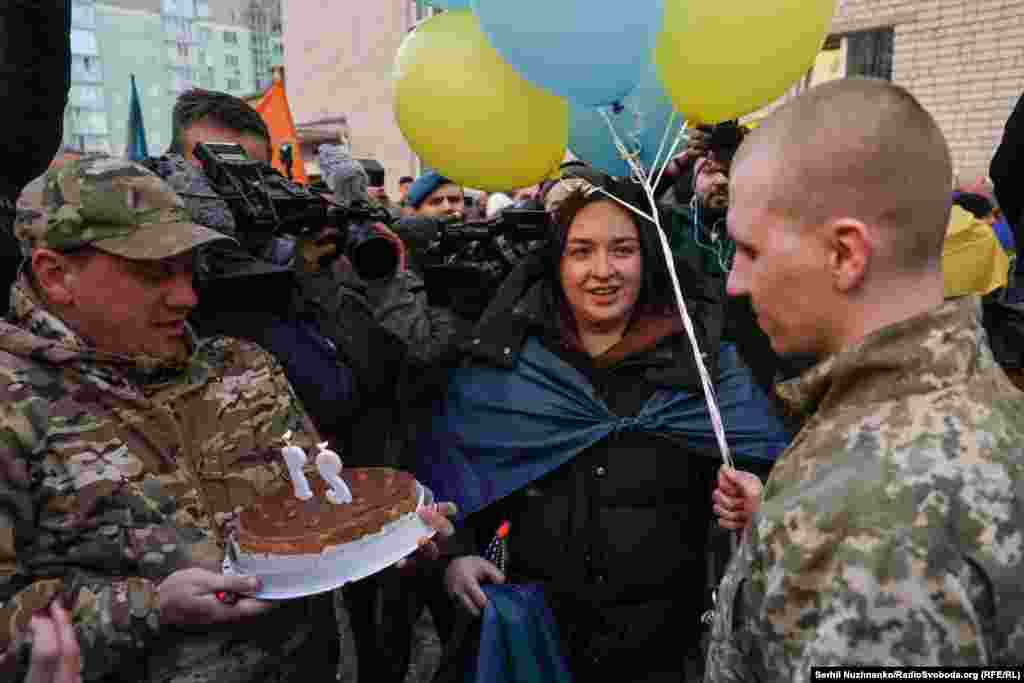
<point x="208" y="79"/>
<point x="182" y="79"/>
<point x="179" y="8"/>
<point x="231" y="60"/>
<point x="91" y="143"/>
<point x="202" y="9"/>
<point x="178" y="53"/>
<point x="86" y="97"/>
<point x="278" y="50"/>
<point x="869" y="53"/>
<point x="230" y="38"/>
<point x="83" y="14"/>
<point x="178" y="28"/>
<point x="234" y="84"/>
<point x="88" y="122"/>
<point x="85" y="68"/>
<point x="83" y="42"/>
<point x="188" y="8"/>
<point x="204" y="36"/>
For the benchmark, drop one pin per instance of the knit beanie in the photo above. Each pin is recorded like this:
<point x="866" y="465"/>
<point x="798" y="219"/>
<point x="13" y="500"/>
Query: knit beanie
<point x="424" y="187"/>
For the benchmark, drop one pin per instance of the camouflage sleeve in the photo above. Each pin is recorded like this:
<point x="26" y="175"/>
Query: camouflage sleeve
<point x="870" y="599"/>
<point x="114" y="617"/>
<point x="292" y="416"/>
<point x="729" y="655"/>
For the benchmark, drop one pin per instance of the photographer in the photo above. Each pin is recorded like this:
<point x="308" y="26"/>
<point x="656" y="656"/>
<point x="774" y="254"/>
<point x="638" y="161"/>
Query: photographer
<point x="459" y="264"/>
<point x="434" y="196"/>
<point x="676" y="186"/>
<point x="382" y="610"/>
<point x="698" y="232"/>
<point x="314" y="320"/>
<point x="1007" y="170"/>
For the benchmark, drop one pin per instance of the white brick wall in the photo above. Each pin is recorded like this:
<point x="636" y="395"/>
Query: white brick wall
<point x="963" y="59"/>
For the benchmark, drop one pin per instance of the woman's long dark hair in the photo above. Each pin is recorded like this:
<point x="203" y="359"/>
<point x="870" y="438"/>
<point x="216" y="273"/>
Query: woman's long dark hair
<point x="656" y="289"/>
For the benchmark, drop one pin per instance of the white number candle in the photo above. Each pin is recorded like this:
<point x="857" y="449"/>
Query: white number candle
<point x="329" y="464"/>
<point x="295" y="458"/>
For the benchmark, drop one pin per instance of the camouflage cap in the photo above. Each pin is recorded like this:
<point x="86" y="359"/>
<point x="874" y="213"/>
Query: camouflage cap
<point x="114" y="205"/>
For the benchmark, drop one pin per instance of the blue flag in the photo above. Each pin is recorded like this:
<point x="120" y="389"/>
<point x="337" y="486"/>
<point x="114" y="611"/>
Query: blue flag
<point x="135" y="149"/>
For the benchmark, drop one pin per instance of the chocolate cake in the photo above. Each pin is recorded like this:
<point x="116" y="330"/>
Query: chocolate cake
<point x="283" y="525"/>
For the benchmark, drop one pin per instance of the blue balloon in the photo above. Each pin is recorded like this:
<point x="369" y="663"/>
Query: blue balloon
<point x="592" y="52"/>
<point x="640" y="122"/>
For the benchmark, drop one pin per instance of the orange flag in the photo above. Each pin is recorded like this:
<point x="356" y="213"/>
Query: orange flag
<point x="273" y="108"/>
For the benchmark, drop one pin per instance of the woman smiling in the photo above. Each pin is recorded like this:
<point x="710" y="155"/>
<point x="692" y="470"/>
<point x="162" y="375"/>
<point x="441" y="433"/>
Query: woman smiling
<point x="578" y="417"/>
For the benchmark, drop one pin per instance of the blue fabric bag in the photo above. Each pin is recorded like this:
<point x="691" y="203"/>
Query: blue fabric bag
<point x="519" y="641"/>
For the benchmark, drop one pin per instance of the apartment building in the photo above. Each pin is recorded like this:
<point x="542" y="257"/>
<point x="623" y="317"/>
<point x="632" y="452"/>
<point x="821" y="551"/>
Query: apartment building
<point x="170" y="46"/>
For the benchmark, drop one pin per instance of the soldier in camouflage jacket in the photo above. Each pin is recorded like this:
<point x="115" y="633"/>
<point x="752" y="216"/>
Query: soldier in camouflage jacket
<point x="121" y="472"/>
<point x="891" y="532"/>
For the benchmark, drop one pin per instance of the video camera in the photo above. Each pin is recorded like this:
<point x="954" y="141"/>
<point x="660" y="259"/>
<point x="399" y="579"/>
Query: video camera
<point x="466" y="264"/>
<point x="265" y="204"/>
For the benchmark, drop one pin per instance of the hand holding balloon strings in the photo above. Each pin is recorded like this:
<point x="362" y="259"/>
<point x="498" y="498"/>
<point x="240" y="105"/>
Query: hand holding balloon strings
<point x="645" y="181"/>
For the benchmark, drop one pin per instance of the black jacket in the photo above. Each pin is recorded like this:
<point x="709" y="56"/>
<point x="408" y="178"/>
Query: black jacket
<point x="1007" y="171"/>
<point x="35" y="74"/>
<point x="377" y="357"/>
<point x="619" y="534"/>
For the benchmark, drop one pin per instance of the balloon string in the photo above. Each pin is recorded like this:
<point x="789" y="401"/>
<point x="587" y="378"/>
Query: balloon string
<point x="671" y="154"/>
<point x="664" y="141"/>
<point x="644" y="179"/>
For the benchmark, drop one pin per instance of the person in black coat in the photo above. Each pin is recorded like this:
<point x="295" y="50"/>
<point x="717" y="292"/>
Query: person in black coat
<point x="618" y="533"/>
<point x="1007" y="171"/>
<point x="35" y="76"/>
<point x="1004" y="310"/>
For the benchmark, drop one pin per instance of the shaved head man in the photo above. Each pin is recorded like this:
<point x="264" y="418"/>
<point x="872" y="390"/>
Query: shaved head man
<point x="840" y="201"/>
<point x="889" y="532"/>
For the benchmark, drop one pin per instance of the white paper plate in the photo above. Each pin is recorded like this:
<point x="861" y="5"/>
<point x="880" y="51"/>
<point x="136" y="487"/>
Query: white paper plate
<point x="296" y="577"/>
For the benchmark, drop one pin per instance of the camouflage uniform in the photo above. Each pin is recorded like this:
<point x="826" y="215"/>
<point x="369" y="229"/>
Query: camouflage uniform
<point x="892" y="530"/>
<point x="116" y="471"/>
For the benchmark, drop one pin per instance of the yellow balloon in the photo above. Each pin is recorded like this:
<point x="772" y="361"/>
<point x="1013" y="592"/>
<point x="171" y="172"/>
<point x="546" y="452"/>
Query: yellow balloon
<point x="468" y="114"/>
<point x="721" y="59"/>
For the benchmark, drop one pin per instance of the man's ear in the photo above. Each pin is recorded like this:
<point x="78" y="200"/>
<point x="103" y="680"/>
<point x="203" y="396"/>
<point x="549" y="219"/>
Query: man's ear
<point x="54" y="276"/>
<point x="850" y="252"/>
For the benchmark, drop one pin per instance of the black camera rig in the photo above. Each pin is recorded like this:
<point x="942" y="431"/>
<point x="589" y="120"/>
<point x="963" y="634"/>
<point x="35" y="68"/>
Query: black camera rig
<point x="265" y="204"/>
<point x="467" y="262"/>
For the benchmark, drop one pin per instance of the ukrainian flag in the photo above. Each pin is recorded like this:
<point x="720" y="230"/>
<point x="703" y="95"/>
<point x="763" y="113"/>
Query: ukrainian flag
<point x="135" y="149"/>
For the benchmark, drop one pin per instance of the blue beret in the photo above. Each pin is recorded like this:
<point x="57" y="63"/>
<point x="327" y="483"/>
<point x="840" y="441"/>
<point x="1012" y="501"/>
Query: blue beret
<point x="423" y="187"/>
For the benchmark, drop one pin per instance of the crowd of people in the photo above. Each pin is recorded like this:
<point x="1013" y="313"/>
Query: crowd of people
<point x="158" y="346"/>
